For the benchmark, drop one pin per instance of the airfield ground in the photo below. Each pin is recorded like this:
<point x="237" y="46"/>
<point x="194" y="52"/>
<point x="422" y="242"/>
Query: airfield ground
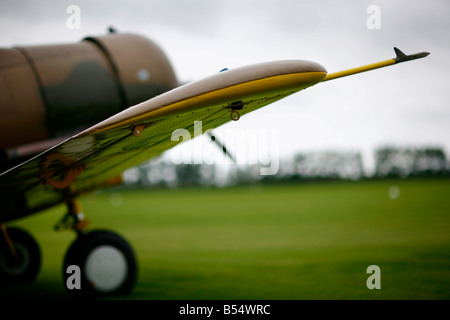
<point x="302" y="241"/>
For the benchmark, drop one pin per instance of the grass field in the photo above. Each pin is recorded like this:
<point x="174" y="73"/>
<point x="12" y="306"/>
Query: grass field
<point x="310" y="241"/>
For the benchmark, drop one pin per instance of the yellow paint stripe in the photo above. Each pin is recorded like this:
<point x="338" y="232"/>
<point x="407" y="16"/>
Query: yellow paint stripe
<point x="368" y="67"/>
<point x="262" y="87"/>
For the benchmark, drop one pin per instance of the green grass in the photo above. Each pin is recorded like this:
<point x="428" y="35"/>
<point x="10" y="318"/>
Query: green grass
<point x="310" y="241"/>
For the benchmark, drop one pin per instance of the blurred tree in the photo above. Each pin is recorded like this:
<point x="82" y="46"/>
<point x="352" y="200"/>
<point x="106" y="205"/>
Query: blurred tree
<point x="404" y="162"/>
<point x="329" y="165"/>
<point x="429" y="162"/>
<point x="188" y="174"/>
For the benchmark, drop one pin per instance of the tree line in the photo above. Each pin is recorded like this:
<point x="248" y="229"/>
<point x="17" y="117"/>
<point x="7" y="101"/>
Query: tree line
<point x="389" y="162"/>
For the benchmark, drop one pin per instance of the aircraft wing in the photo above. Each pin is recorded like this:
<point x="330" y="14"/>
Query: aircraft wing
<point x="93" y="158"/>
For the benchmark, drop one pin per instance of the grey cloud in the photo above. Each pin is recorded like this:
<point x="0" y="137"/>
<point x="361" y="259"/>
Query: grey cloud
<point x="331" y="32"/>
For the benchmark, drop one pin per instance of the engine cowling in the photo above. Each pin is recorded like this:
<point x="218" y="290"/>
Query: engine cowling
<point x="53" y="91"/>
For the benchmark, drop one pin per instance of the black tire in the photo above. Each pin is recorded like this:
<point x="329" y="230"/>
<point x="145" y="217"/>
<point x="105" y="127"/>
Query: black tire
<point x="106" y="263"/>
<point x="25" y="266"/>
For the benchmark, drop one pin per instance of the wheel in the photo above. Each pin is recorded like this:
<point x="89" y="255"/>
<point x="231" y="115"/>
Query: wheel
<point x="25" y="265"/>
<point x="106" y="263"/>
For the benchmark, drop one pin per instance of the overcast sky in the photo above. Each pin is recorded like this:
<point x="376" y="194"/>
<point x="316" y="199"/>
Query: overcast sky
<point x="402" y="105"/>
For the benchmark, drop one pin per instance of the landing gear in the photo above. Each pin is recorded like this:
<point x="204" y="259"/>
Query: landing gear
<point x="106" y="261"/>
<point x="20" y="256"/>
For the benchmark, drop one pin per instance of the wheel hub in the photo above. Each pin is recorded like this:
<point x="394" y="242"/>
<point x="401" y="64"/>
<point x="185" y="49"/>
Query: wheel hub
<point x="106" y="268"/>
<point x="15" y="265"/>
